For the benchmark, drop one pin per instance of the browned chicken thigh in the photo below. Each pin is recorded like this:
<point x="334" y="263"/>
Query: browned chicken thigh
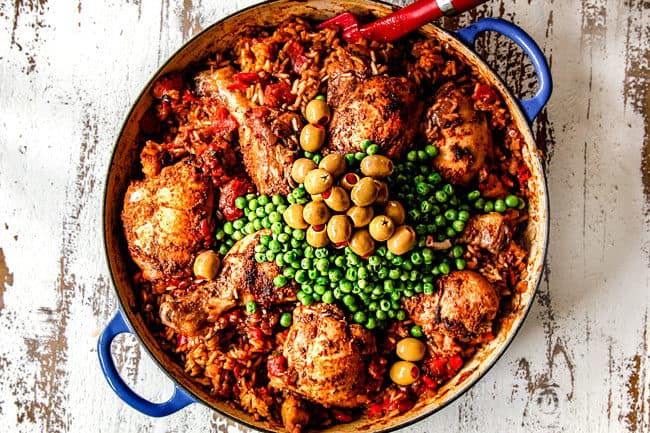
<point x="463" y="307"/>
<point x="326" y="357"/>
<point x="461" y="133"/>
<point x="263" y="132"/>
<point x="488" y="231"/>
<point x="240" y="280"/>
<point x="165" y="219"/>
<point x="385" y="110"/>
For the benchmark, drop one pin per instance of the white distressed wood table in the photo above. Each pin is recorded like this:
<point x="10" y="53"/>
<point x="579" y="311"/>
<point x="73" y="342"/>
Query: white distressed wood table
<point x="69" y="71"/>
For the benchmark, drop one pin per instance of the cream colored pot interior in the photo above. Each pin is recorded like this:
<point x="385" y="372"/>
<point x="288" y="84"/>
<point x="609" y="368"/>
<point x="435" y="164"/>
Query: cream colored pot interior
<point x="125" y="162"/>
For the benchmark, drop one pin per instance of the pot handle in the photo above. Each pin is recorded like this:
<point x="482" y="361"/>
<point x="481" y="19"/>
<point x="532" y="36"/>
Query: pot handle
<point x="531" y="106"/>
<point x="178" y="400"/>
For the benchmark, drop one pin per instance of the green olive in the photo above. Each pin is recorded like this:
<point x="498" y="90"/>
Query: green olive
<point x="317" y="112"/>
<point x="300" y="168"/>
<point x="361" y="243"/>
<point x="360" y="216"/>
<point x="337" y="199"/>
<point x="381" y="228"/>
<point x="339" y="229"/>
<point x="312" y="137"/>
<point x="316" y="213"/>
<point x="317" y="236"/>
<point x="404" y="373"/>
<point x="334" y="163"/>
<point x="395" y="211"/>
<point x="402" y="240"/>
<point x="410" y="349"/>
<point x="206" y="264"/>
<point x="364" y="193"/>
<point x="376" y="166"/>
<point x="293" y="217"/>
<point x="318" y="181"/>
<point x="348" y="180"/>
<point x="382" y="192"/>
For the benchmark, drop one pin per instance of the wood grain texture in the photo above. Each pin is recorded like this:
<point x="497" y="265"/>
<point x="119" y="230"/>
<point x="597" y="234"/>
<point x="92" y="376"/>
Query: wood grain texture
<point x="68" y="74"/>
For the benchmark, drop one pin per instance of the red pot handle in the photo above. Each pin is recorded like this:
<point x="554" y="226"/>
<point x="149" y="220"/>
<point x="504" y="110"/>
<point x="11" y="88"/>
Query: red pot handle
<point x="412" y="17"/>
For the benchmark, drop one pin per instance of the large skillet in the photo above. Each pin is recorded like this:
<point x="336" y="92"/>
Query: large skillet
<point x="125" y="162"/>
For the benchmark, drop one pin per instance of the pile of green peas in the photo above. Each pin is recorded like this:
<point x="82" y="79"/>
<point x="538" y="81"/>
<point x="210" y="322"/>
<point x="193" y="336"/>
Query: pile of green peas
<point x="370" y="289"/>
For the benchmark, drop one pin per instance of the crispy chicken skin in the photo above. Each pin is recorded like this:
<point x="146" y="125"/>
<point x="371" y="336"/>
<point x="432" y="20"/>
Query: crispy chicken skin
<point x="382" y="109"/>
<point x="263" y="133"/>
<point x="488" y="231"/>
<point x="326" y="357"/>
<point x="165" y="217"/>
<point x="464" y="306"/>
<point x="240" y="280"/>
<point x="461" y="133"/>
<point x="344" y="70"/>
<point x="294" y="414"/>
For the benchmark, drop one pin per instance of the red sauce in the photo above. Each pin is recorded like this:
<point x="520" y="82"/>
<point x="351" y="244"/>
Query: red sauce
<point x="228" y="193"/>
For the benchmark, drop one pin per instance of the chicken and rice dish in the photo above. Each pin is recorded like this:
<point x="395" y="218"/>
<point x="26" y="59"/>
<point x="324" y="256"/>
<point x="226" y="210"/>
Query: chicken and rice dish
<point x="326" y="230"/>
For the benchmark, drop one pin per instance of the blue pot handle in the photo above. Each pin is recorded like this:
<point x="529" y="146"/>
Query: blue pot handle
<point x="532" y="106"/>
<point x="178" y="401"/>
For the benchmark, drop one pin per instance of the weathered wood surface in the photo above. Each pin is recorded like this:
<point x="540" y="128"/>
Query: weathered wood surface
<point x="68" y="73"/>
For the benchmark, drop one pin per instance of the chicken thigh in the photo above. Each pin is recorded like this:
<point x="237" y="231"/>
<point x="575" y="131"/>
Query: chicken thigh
<point x="241" y="279"/>
<point x="460" y="132"/>
<point x="382" y="109"/>
<point x="464" y="306"/>
<point x="165" y="219"/>
<point x="326" y="357"/>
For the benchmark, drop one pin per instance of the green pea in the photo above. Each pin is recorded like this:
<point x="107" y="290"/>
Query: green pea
<point x="500" y="205"/>
<point x="511" y="201"/>
<point x="238" y="224"/>
<point x="372" y="149"/>
<point x="266" y="223"/>
<point x="393" y="274"/>
<point x="422" y="155"/>
<point x="460" y="264"/>
<point x="279" y="260"/>
<point x="295" y="243"/>
<point x="348" y="300"/>
<point x="416" y="258"/>
<point x="320" y="97"/>
<point x="339" y="261"/>
<point x="277" y="228"/>
<point x="362" y="272"/>
<point x="322" y="265"/>
<point x="444" y="268"/>
<point x="349" y="158"/>
<point x="251" y="307"/>
<point x="301" y="276"/>
<point x="328" y="297"/>
<point x="237" y="235"/>
<point x="275" y="246"/>
<point x="427" y="288"/>
<point x="335" y="275"/>
<point x="270" y="255"/>
<point x="479" y="203"/>
<point x="441" y="196"/>
<point x="416" y="331"/>
<point x="434" y="178"/>
<point x="371" y="323"/>
<point x="457" y="251"/>
<point x="474" y="195"/>
<point x="489" y="206"/>
<point x="431" y="150"/>
<point x="307" y="300"/>
<point x="451" y="214"/>
<point x="240" y="202"/>
<point x="364" y="144"/>
<point x="423" y="188"/>
<point x="359" y="156"/>
<point x="427" y="255"/>
<point x="351" y="274"/>
<point x="285" y="320"/>
<point x="313" y="274"/>
<point x="389" y="286"/>
<point x="321" y="253"/>
<point x="381" y="315"/>
<point x="257" y="224"/>
<point x="346" y="286"/>
<point x="412" y="155"/>
<point x="463" y="216"/>
<point x="259" y="257"/>
<point x="449" y="189"/>
<point x="458" y="226"/>
<point x="360" y="317"/>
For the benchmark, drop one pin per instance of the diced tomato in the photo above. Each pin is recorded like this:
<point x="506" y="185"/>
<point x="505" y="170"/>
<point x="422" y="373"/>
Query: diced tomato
<point x="523" y="174"/>
<point x="241" y="80"/>
<point x="375" y="410"/>
<point x="260" y="112"/>
<point x="223" y="122"/>
<point x="168" y="85"/>
<point x="430" y="383"/>
<point x="455" y="363"/>
<point x="181" y="340"/>
<point x="276" y="365"/>
<point x="228" y="193"/>
<point x="295" y="50"/>
<point x="277" y="94"/>
<point x="485" y="94"/>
